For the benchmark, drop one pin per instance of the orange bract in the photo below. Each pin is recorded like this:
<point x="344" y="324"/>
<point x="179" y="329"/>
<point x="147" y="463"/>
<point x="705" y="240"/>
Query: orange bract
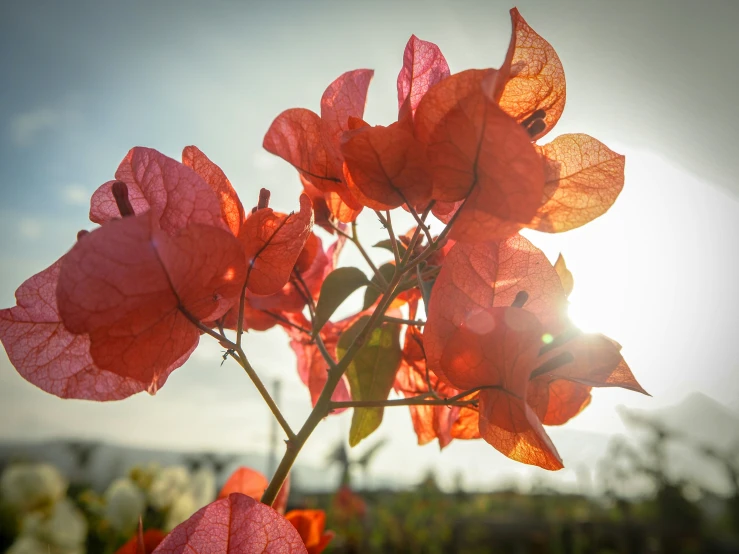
<point x="386" y="167"/>
<point x="533" y="90"/>
<point x="272" y="243"/>
<point x="311" y="525"/>
<point x="231" y="209"/>
<point x="583" y="178"/>
<point x="478" y="152"/>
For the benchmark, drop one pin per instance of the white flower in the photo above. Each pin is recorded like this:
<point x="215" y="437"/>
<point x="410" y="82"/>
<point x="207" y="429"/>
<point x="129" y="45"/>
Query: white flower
<point x="27" y="487"/>
<point x="168" y="485"/>
<point x="63" y="530"/>
<point x="203" y="487"/>
<point x="180" y="510"/>
<point x="124" y="504"/>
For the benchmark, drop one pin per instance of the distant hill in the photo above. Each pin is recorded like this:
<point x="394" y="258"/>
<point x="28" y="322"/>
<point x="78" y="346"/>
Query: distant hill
<point x="96" y="464"/>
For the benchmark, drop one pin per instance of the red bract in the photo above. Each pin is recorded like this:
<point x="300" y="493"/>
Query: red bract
<point x="312" y="367"/>
<point x="478" y="152"/>
<point x="272" y="243"/>
<point x="423" y="66"/>
<point x="311" y="143"/>
<point x="412" y="379"/>
<point x="143" y="543"/>
<point x="134" y="290"/>
<point x="231" y="209"/>
<point x="311" y="268"/>
<point x="234" y="525"/>
<point x="174" y="193"/>
<point x="385" y="167"/>
<point x="46" y="354"/>
<point x="583" y="178"/>
<point x="246" y="481"/>
<point x="472" y="340"/>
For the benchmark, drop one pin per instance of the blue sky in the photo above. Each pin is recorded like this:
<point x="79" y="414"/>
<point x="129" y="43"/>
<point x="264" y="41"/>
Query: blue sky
<point x="83" y="82"/>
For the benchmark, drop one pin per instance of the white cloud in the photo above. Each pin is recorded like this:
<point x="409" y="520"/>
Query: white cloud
<point x="26" y="127"/>
<point x="76" y="195"/>
<point x="264" y="160"/>
<point x="30" y="228"/>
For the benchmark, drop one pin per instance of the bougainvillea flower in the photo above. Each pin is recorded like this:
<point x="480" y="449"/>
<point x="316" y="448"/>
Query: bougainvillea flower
<point x="133" y="289"/>
<point x="252" y="483"/>
<point x="143" y="543"/>
<point x="313" y="265"/>
<point x="311" y="525"/>
<point x="429" y="422"/>
<point x="478" y="152"/>
<point x="501" y="358"/>
<point x="386" y="167"/>
<point x="312" y="143"/>
<point x="175" y="193"/>
<point x="312" y="368"/>
<point x="423" y="66"/>
<point x="272" y="243"/>
<point x="46" y="354"/>
<point x="232" y="525"/>
<point x="463" y="346"/>
<point x="231" y="209"/>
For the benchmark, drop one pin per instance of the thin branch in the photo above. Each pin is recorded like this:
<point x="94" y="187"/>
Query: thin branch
<point x="286" y="321"/>
<point x="421" y="222"/>
<point x="388" y="224"/>
<point x="414" y="322"/>
<point x="232" y="350"/>
<point x="243" y="362"/>
<point x="354" y="238"/>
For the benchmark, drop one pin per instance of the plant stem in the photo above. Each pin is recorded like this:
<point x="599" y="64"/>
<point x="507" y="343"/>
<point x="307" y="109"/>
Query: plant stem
<point x="414" y="322"/>
<point x="323" y="405"/>
<point x="263" y="391"/>
<point x="387" y="222"/>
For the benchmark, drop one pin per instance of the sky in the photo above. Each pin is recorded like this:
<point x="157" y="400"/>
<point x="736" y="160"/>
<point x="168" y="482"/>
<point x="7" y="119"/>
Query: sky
<point x="83" y="82"/>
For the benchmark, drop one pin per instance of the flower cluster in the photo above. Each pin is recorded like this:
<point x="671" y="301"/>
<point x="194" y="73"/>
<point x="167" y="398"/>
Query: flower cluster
<point x="176" y="256"/>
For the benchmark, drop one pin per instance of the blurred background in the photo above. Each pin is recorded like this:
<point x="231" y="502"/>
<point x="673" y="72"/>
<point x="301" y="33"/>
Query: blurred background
<point x="83" y="82"/>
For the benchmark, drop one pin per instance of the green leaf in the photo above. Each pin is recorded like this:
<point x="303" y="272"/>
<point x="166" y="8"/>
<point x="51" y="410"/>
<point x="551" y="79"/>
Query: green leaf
<point x="371" y="374"/>
<point x="388" y="245"/>
<point x="373" y="293"/>
<point x="337" y="287"/>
